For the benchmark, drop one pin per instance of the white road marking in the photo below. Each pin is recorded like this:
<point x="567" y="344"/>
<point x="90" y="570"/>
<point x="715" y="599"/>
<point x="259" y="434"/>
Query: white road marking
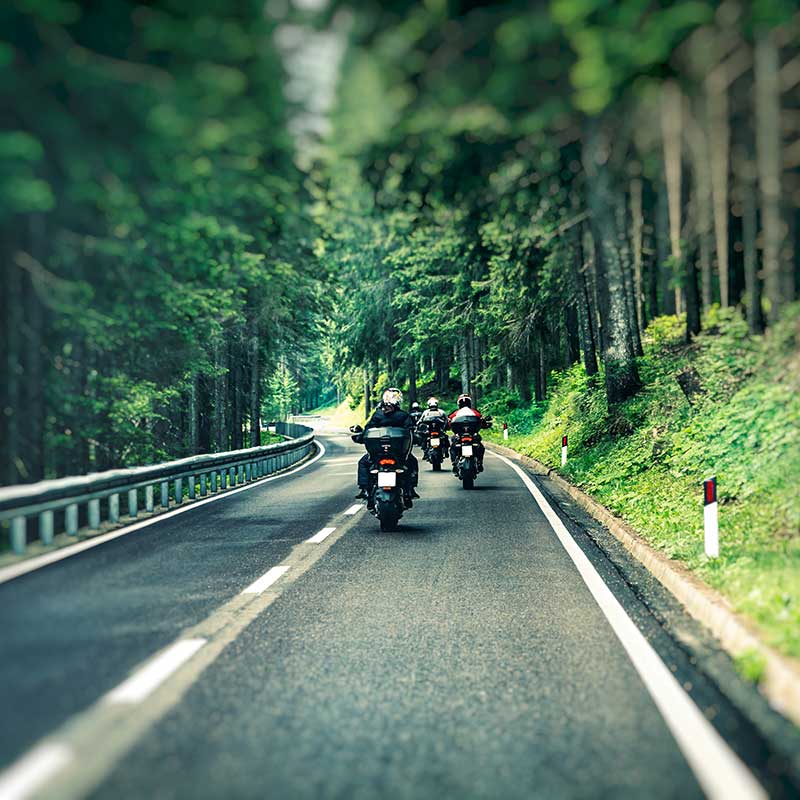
<point x="33" y="770"/>
<point x="321" y="536"/>
<point x="147" y="679"/>
<point x="31" y="564"/>
<point x="353" y="509"/>
<point x="266" y="580"/>
<point x="719" y="771"/>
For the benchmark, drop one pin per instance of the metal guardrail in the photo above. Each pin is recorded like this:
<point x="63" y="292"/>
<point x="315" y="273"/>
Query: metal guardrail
<point x="190" y="477"/>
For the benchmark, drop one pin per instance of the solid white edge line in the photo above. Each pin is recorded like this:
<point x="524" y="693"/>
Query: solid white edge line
<point x="149" y="677"/>
<point x="719" y="771"/>
<point x="266" y="580"/>
<point x="321" y="536"/>
<point x="33" y="769"/>
<point x="37" y="562"/>
<point x="354" y="509"/>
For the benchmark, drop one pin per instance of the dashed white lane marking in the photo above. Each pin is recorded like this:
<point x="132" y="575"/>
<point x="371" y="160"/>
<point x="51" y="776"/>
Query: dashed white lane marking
<point x="354" y="509"/>
<point x="34" y="770"/>
<point x="266" y="580"/>
<point x="717" y="768"/>
<point x="321" y="536"/>
<point x="30" y="564"/>
<point x="153" y="674"/>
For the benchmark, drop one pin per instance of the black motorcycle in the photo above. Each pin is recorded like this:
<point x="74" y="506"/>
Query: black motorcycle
<point x="466" y="441"/>
<point x="388" y="450"/>
<point x="434" y="442"/>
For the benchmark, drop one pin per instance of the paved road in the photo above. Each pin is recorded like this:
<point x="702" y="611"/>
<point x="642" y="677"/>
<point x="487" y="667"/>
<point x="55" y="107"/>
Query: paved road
<point x="463" y="656"/>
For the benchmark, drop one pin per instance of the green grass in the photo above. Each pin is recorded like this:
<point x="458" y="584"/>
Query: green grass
<point x="647" y="460"/>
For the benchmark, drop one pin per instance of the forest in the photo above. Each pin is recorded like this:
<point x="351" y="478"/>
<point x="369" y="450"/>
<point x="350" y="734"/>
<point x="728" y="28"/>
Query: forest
<point x="219" y="213"/>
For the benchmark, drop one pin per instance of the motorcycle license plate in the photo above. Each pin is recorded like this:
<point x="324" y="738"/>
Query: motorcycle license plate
<point x="434" y="442"/>
<point x="466" y="450"/>
<point x="387" y="480"/>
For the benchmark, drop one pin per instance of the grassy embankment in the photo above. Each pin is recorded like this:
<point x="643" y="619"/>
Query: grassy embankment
<point x="341" y="415"/>
<point x="646" y="462"/>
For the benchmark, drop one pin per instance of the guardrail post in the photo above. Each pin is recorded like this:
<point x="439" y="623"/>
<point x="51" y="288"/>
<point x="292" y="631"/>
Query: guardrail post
<point x="178" y="490"/>
<point x="203" y="489"/>
<point x="223" y="479"/>
<point x="213" y="478"/>
<point x="133" y="502"/>
<point x="232" y="471"/>
<point x="248" y="471"/>
<point x="71" y="519"/>
<point x="94" y="514"/>
<point x="148" y="498"/>
<point x="113" y="508"/>
<point x="19" y="535"/>
<point x="46" y="527"/>
<point x="192" y="487"/>
<point x="165" y="494"/>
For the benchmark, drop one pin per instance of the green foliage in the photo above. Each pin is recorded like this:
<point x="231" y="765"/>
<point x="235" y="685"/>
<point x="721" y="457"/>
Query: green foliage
<point x="647" y="460"/>
<point x="751" y="665"/>
<point x="283" y="392"/>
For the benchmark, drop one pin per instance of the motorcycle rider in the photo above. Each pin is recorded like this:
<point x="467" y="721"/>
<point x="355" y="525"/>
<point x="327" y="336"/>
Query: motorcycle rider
<point x="465" y="412"/>
<point x="433" y="412"/>
<point x="415" y="413"/>
<point x="388" y="414"/>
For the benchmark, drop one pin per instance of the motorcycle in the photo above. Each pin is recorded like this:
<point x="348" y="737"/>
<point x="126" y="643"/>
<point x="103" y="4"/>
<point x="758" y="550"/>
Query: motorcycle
<point x="466" y="440"/>
<point x="388" y="450"/>
<point x="434" y="442"/>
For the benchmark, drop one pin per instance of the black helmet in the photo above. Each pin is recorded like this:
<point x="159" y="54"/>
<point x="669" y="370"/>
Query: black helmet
<point x="464" y="400"/>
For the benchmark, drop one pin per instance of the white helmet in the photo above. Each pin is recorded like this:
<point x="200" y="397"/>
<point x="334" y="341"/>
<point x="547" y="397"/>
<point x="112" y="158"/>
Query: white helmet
<point x="433" y="403"/>
<point x="392" y="397"/>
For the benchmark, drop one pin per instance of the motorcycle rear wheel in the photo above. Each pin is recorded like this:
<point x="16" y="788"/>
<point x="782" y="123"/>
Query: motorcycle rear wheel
<point x="389" y="516"/>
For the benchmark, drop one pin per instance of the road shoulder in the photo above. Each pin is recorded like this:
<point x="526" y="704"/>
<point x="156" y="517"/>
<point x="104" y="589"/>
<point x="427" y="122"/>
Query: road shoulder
<point x="698" y="618"/>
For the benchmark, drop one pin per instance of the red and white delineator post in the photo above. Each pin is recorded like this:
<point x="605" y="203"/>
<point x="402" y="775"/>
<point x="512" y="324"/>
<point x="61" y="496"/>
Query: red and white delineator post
<point x="505" y="430"/>
<point x="564" y="450"/>
<point x="711" y="517"/>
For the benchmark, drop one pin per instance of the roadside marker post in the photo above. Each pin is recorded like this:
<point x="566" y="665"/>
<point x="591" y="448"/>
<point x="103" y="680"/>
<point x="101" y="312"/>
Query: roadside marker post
<point x="505" y="430"/>
<point x="711" y="517"/>
<point x="564" y="450"/>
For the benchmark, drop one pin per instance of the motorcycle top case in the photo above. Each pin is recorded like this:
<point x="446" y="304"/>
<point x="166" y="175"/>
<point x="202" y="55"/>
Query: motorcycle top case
<point x="468" y="425"/>
<point x="399" y="440"/>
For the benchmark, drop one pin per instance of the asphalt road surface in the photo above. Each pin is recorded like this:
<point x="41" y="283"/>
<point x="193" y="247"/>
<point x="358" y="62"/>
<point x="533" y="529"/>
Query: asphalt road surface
<point x="482" y="651"/>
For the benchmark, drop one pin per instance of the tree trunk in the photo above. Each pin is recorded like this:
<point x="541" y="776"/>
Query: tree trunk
<point x="755" y="315"/>
<point x="367" y="394"/>
<point x="589" y="272"/>
<point x="463" y="363"/>
<point x="442" y="371"/>
<point x="220" y="379"/>
<point x="522" y="380"/>
<point x="573" y="333"/>
<point x="662" y="252"/>
<point x="622" y="377"/>
<point x="698" y="147"/>
<point x="637" y="224"/>
<point x="255" y="386"/>
<point x="12" y="368"/>
<point x="768" y="150"/>
<point x="194" y="428"/>
<point x="692" y="298"/>
<point x="412" y="379"/>
<point x="540" y="377"/>
<point x="671" y="123"/>
<point x="719" y="147"/>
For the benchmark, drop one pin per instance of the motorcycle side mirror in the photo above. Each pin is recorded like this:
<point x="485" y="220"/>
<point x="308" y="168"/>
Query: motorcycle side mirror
<point x="356" y="429"/>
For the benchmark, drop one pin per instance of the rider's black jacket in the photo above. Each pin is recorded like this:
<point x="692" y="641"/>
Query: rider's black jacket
<point x="395" y="418"/>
